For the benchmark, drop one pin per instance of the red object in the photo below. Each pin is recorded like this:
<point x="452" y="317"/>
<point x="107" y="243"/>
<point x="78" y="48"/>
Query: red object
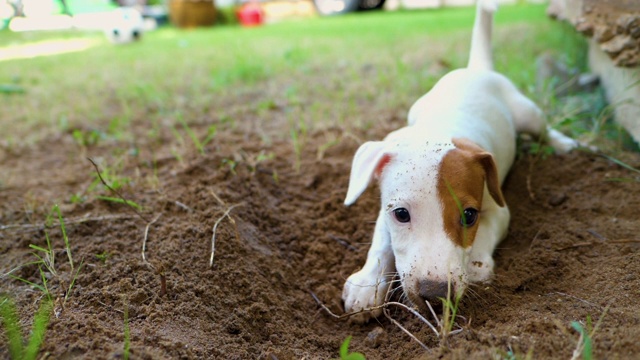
<point x="250" y="14"/>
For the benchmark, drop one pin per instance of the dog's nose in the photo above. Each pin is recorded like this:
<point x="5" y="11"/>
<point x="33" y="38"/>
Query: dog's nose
<point x="433" y="291"/>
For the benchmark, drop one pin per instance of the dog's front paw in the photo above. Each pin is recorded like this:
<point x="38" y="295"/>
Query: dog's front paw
<point x="361" y="292"/>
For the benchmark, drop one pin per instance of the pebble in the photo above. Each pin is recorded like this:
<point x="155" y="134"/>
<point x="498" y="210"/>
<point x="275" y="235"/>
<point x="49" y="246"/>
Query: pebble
<point x="377" y="337"/>
<point x="557" y="199"/>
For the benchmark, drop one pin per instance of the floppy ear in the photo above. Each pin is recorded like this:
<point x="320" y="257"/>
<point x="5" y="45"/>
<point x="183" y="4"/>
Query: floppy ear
<point x="485" y="159"/>
<point x="491" y="176"/>
<point x="368" y="162"/>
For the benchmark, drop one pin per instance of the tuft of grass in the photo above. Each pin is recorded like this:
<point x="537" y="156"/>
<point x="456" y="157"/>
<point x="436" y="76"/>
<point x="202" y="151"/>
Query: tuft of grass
<point x="11" y="324"/>
<point x="449" y="311"/>
<point x="211" y="133"/>
<point x="584" y="347"/>
<point x="346" y="355"/>
<point x="103" y="256"/>
<point x="46" y="261"/>
<point x="297" y="149"/>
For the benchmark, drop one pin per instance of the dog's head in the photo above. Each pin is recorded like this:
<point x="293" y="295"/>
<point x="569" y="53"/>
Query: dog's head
<point x="432" y="196"/>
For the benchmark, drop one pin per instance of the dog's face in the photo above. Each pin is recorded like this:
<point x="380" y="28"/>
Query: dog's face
<point x="432" y="196"/>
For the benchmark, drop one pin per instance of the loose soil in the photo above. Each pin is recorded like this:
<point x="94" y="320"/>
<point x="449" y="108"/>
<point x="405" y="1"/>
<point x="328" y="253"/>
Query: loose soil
<point x="572" y="254"/>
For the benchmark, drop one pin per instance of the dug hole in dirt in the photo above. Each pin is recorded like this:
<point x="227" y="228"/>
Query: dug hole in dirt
<point x="572" y="254"/>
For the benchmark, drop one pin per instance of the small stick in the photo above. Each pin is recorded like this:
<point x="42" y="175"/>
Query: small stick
<point x="577" y="298"/>
<point x="433" y="313"/>
<point x="383" y="306"/>
<point x="396" y="323"/>
<point x="591" y="243"/>
<point x="183" y="206"/>
<point x="116" y="192"/>
<point x="146" y="235"/>
<point x="215" y="227"/>
<point x="31" y="227"/>
<point x="163" y="284"/>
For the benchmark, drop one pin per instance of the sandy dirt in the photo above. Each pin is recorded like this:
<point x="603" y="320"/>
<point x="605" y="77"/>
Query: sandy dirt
<point x="573" y="250"/>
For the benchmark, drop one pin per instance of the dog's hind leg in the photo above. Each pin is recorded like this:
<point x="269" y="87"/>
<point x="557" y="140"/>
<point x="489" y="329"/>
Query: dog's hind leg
<point x="529" y="119"/>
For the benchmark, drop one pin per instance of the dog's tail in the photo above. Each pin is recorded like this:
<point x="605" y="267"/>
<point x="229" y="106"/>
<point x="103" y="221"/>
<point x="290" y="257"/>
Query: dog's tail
<point x="480" y="53"/>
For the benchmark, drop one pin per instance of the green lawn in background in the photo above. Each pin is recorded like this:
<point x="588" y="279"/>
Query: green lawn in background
<point x="175" y="69"/>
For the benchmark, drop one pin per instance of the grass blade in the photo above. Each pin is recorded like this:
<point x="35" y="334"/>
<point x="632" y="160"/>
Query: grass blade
<point x="11" y="327"/>
<point x="39" y="329"/>
<point x="120" y="201"/>
<point x="39" y="287"/>
<point x="64" y="234"/>
<point x="623" y="164"/>
<point x="73" y="281"/>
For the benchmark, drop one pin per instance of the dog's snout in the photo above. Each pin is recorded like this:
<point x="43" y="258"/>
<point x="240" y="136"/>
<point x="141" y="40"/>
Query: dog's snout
<point x="432" y="291"/>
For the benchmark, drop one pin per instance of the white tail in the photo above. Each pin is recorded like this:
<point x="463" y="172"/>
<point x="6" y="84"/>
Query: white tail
<point x="480" y="53"/>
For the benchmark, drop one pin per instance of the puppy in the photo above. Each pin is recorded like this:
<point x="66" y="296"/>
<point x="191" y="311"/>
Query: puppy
<point x="442" y="208"/>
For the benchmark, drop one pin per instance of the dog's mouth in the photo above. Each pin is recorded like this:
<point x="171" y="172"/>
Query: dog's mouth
<point x="427" y="293"/>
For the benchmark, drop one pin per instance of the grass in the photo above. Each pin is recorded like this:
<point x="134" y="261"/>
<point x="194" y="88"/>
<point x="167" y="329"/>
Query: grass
<point x="346" y="355"/>
<point x="46" y="262"/>
<point x="11" y="324"/>
<point x="175" y="72"/>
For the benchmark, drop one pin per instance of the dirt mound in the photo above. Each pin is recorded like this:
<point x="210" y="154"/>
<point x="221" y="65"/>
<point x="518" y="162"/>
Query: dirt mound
<point x="573" y="252"/>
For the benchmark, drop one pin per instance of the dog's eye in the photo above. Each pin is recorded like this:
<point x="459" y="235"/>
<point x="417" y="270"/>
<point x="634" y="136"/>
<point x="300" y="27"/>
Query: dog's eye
<point x="469" y="217"/>
<point x="402" y="215"/>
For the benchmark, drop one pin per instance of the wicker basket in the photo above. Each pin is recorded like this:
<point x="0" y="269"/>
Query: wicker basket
<point x="192" y="13"/>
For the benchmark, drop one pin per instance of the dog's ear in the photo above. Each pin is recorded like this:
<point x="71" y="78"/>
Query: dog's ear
<point x="485" y="159"/>
<point x="368" y="163"/>
<point x="491" y="176"/>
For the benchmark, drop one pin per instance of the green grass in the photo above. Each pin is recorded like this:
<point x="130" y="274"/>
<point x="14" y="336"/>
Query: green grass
<point x="346" y="355"/>
<point x="189" y="73"/>
<point x="11" y="324"/>
<point x="46" y="261"/>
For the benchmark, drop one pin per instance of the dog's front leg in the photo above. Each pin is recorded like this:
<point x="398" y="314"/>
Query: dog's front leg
<point x="368" y="287"/>
<point x="494" y="224"/>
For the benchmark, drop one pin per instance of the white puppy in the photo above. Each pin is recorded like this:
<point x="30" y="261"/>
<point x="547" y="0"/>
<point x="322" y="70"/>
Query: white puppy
<point x="124" y="25"/>
<point x="442" y="210"/>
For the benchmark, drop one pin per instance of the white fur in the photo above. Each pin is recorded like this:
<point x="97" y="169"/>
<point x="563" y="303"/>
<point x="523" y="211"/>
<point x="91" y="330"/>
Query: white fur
<point x="125" y="25"/>
<point x="475" y="103"/>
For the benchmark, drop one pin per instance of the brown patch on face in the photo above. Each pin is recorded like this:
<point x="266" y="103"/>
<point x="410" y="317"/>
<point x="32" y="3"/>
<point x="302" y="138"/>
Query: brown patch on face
<point x="461" y="180"/>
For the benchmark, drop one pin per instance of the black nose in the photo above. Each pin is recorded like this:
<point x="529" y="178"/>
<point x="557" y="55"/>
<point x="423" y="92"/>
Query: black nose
<point x="433" y="291"/>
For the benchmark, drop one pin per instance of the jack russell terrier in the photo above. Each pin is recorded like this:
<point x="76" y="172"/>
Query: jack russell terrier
<point x="442" y="210"/>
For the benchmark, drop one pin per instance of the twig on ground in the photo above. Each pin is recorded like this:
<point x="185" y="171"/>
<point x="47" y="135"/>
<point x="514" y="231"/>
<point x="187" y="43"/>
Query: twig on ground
<point x="577" y="298"/>
<point x="215" y="228"/>
<point x="343" y="242"/>
<point x="385" y="311"/>
<point x="591" y="243"/>
<point x="146" y="235"/>
<point x="110" y="307"/>
<point x="433" y="313"/>
<point x="115" y="191"/>
<point x="183" y="206"/>
<point x="383" y="306"/>
<point x="37" y="227"/>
